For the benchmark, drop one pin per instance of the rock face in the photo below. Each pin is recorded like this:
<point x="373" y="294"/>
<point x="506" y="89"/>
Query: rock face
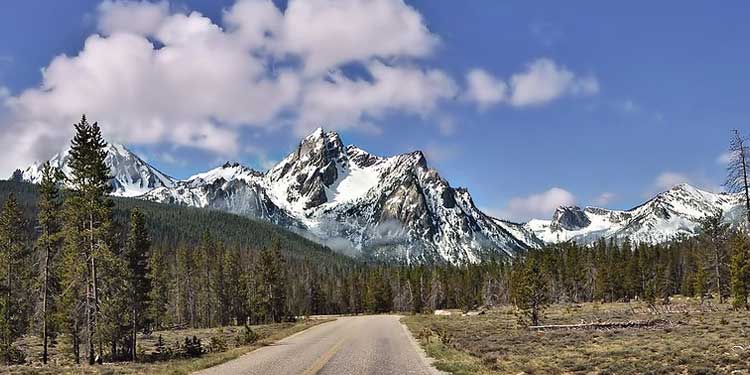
<point x="671" y="214"/>
<point x="395" y="208"/>
<point x="131" y="176"/>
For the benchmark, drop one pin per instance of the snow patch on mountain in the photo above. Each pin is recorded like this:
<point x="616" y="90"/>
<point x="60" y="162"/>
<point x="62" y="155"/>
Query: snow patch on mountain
<point x="671" y="214"/>
<point x="131" y="175"/>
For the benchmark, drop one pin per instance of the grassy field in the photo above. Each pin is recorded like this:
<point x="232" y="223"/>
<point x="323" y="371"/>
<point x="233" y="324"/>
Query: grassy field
<point x="61" y="364"/>
<point x="692" y="339"/>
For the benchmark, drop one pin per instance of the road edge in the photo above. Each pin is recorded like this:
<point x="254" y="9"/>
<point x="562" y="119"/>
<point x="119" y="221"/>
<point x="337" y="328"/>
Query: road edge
<point x="428" y="361"/>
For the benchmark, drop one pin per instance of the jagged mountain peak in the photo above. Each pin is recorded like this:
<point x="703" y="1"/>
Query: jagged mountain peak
<point x="668" y="215"/>
<point x="227" y="172"/>
<point x="131" y="175"/>
<point x="379" y="207"/>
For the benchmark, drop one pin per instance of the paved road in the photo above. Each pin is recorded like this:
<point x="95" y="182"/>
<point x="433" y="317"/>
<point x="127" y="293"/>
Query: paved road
<point x="377" y="345"/>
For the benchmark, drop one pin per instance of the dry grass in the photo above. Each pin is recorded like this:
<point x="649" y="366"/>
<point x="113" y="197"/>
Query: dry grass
<point x="699" y="340"/>
<point x="61" y="364"/>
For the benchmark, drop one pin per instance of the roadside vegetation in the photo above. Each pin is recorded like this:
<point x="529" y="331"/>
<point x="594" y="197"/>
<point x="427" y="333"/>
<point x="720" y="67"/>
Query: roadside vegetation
<point x="180" y="351"/>
<point x="687" y="338"/>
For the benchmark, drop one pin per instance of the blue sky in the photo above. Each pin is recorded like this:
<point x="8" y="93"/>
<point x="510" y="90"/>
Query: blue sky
<point x="600" y="103"/>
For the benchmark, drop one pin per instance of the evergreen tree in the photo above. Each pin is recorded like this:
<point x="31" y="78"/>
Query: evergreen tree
<point x="714" y="233"/>
<point x="529" y="289"/>
<point x="272" y="282"/>
<point x="91" y="186"/>
<point x="700" y="280"/>
<point x="137" y="255"/>
<point x="13" y="257"/>
<point x="159" y="297"/>
<point x="48" y="245"/>
<point x="740" y="270"/>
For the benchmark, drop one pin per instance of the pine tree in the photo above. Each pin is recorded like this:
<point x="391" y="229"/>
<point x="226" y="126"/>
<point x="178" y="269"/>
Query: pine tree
<point x="91" y="186"/>
<point x="529" y="289"/>
<point x="700" y="280"/>
<point x="13" y="255"/>
<point x="714" y="233"/>
<point x="48" y="244"/>
<point x="740" y="271"/>
<point x="272" y="282"/>
<point x="159" y="294"/>
<point x="137" y="255"/>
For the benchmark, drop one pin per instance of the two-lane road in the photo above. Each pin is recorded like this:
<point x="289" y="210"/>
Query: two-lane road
<point x="350" y="345"/>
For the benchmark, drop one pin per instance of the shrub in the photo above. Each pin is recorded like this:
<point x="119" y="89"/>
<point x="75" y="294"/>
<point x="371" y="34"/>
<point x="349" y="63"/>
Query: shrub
<point x="248" y="337"/>
<point x="192" y="348"/>
<point x="217" y="344"/>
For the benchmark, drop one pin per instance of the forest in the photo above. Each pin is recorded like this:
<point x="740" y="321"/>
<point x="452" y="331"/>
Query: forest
<point x="88" y="272"/>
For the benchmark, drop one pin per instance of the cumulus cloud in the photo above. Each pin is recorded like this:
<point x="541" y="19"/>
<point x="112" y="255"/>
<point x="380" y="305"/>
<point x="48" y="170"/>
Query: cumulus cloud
<point x="156" y="75"/>
<point x="127" y="16"/>
<point x="329" y="33"/>
<point x="667" y="180"/>
<point x="540" y="205"/>
<point x="604" y="198"/>
<point x="484" y="89"/>
<point x="342" y="102"/>
<point x="543" y="81"/>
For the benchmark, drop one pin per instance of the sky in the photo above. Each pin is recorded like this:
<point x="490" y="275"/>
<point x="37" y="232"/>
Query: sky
<point x="529" y="105"/>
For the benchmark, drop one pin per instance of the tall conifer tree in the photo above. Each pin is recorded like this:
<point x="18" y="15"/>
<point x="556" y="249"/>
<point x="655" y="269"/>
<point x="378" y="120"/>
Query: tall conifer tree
<point x="48" y="245"/>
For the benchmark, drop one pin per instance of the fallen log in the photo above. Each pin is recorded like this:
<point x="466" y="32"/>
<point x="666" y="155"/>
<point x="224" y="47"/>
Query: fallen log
<point x="603" y="325"/>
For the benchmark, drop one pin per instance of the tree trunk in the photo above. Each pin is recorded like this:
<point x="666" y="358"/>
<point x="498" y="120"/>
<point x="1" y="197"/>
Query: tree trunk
<point x="745" y="181"/>
<point x="76" y="342"/>
<point x="717" y="270"/>
<point x="8" y="342"/>
<point x="45" y="302"/>
<point x="135" y="333"/>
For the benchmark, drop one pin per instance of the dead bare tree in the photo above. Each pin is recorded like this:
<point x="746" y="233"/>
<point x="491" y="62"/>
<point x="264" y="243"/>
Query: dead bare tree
<point x="738" y="169"/>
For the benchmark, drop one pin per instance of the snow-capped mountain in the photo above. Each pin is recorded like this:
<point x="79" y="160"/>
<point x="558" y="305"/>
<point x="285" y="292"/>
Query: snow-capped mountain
<point x="394" y="208"/>
<point x="671" y="214"/>
<point x="131" y="176"/>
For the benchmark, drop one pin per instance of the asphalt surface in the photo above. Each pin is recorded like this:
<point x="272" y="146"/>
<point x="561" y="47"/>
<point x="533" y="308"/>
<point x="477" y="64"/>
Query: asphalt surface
<point x="349" y="345"/>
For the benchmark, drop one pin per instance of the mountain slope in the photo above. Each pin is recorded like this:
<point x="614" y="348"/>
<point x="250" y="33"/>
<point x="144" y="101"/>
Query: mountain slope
<point x="131" y="175"/>
<point x="393" y="208"/>
<point x="671" y="214"/>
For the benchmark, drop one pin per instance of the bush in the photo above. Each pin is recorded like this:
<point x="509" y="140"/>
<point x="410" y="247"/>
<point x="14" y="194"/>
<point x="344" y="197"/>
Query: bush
<point x="217" y="344"/>
<point x="162" y="351"/>
<point x="248" y="337"/>
<point x="192" y="348"/>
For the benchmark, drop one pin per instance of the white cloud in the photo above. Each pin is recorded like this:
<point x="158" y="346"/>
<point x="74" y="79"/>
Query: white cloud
<point x="155" y="76"/>
<point x="604" y="198"/>
<point x="330" y="33"/>
<point x="127" y="16"/>
<point x="544" y="81"/>
<point x="339" y="101"/>
<point x="667" y="180"/>
<point x="484" y="89"/>
<point x="540" y="205"/>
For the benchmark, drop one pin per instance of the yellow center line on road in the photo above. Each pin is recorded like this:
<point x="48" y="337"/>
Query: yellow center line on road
<point x="318" y="365"/>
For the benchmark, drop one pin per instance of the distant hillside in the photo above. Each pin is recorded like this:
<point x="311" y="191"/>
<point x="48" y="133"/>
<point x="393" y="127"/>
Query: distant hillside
<point x="171" y="225"/>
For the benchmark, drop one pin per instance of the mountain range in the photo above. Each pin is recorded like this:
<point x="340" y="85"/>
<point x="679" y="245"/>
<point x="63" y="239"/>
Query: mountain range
<point x="392" y="208"/>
